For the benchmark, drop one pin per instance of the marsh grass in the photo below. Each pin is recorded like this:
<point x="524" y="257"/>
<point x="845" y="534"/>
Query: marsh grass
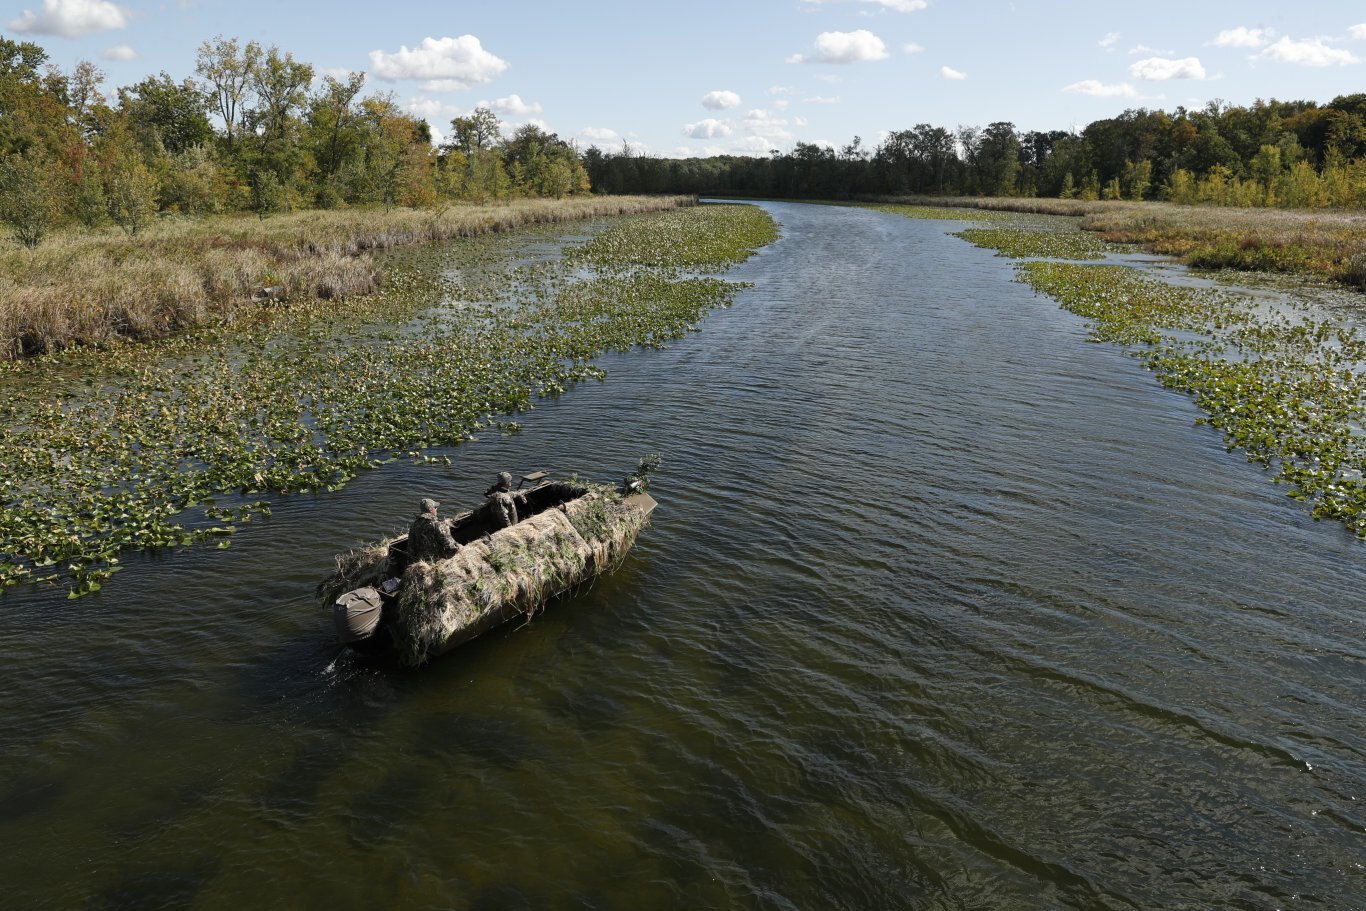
<point x="100" y="287"/>
<point x="1321" y="243"/>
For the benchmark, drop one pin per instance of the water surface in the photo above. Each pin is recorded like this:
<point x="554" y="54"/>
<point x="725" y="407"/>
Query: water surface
<point x="943" y="607"/>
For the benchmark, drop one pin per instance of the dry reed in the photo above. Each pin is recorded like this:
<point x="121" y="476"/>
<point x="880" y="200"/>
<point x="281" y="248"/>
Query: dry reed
<point x="97" y="287"/>
<point x="1324" y="243"/>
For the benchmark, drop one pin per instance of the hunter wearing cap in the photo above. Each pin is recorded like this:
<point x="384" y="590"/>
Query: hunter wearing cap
<point x="504" y="511"/>
<point x="429" y="538"/>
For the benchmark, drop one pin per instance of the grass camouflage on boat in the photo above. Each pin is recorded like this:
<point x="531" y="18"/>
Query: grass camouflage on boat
<point x="574" y="532"/>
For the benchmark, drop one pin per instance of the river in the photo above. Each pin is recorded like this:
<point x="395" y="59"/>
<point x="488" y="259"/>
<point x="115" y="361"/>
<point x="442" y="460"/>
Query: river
<point x="943" y="607"/>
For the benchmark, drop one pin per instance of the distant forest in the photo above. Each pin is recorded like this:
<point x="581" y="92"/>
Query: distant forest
<point x="1274" y="153"/>
<point x="254" y="130"/>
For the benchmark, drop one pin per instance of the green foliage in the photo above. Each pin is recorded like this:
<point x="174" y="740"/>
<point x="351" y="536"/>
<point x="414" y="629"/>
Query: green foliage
<point x="131" y="194"/>
<point x="29" y="198"/>
<point x="1022" y="241"/>
<point x="1288" y="154"/>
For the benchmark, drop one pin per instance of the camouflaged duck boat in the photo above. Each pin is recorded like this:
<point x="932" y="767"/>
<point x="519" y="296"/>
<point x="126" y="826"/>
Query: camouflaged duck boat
<point x="569" y="532"/>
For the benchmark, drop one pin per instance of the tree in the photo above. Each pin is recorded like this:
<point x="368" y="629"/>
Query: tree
<point x="280" y="84"/>
<point x="227" y="68"/>
<point x="474" y="138"/>
<point x="998" y="159"/>
<point x="167" y="114"/>
<point x="333" y="133"/>
<point x="131" y="193"/>
<point x="29" y="200"/>
<point x="476" y="133"/>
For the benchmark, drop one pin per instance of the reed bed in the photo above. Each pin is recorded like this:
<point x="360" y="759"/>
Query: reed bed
<point x="1320" y="243"/>
<point x="100" y="287"/>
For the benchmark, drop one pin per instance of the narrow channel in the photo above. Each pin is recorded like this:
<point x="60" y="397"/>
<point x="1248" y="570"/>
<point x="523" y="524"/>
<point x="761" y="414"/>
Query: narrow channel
<point x="943" y="607"/>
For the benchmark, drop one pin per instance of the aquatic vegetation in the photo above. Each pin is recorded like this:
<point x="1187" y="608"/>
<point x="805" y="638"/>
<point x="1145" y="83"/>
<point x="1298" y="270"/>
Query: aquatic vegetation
<point x="1286" y="389"/>
<point x="945" y="211"/>
<point x="156" y="446"/>
<point x="1024" y="242"/>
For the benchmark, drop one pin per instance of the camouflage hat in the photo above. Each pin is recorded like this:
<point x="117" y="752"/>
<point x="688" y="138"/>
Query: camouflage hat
<point x="504" y="478"/>
<point x="428" y="504"/>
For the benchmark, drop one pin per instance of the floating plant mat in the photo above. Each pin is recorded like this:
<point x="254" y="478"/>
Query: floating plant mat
<point x="136" y="447"/>
<point x="1287" y="389"/>
<point x="1283" y="384"/>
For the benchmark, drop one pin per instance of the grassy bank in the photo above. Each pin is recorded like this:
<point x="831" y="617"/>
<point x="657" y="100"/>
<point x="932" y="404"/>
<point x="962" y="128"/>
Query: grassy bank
<point x="1322" y="244"/>
<point x="97" y="287"/>
<point x="152" y="447"/>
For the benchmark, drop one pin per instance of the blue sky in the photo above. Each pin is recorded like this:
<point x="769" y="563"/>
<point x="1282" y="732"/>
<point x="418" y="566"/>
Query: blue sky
<point x="704" y="77"/>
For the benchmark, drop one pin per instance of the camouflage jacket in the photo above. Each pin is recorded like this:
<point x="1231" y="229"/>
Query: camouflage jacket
<point x="504" y="508"/>
<point x="430" y="538"/>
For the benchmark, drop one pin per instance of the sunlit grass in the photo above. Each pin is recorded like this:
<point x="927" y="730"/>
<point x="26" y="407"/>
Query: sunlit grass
<point x="97" y="287"/>
<point x="1322" y="243"/>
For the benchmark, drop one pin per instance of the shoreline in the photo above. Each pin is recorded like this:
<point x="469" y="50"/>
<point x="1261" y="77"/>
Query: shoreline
<point x="97" y="288"/>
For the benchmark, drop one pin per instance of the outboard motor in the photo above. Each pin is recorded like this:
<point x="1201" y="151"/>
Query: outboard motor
<point x="356" y="614"/>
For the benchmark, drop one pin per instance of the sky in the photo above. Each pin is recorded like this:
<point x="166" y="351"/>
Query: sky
<point x="707" y="77"/>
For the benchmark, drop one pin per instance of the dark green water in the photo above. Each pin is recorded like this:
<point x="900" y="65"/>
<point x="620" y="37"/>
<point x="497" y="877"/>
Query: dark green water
<point x="943" y="607"/>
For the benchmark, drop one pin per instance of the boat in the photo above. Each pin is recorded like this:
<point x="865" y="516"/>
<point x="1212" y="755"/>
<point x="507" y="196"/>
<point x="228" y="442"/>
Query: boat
<point x="385" y="604"/>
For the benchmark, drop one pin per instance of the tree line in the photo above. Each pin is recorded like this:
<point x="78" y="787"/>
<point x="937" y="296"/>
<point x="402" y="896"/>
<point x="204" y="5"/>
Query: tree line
<point x="1272" y="153"/>
<point x="252" y="130"/>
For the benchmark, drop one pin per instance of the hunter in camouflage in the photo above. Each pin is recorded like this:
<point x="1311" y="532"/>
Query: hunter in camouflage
<point x="429" y="538"/>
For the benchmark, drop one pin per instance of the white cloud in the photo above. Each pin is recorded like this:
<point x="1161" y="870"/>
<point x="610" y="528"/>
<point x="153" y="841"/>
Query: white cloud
<point x="910" y="47"/>
<point x="844" y="47"/>
<point x="339" y="73"/>
<point x="1309" y="52"/>
<point x="753" y="145"/>
<point x="720" y="100"/>
<point x="710" y="128"/>
<point x="782" y="104"/>
<point x="599" y="134"/>
<point x="447" y="64"/>
<point x="1243" y="37"/>
<point x="1358" y="31"/>
<point x="430" y="109"/>
<point x="761" y="123"/>
<point x="779" y="90"/>
<point x="800" y="121"/>
<point x="1109" y="39"/>
<point x="822" y="99"/>
<point x="1144" y="49"/>
<point x="900" y="6"/>
<point x="1160" y="69"/>
<point x="511" y="106"/>
<point x="70" y="18"/>
<point x="949" y="72"/>
<point x="119" y="52"/>
<point x="1100" y="90"/>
